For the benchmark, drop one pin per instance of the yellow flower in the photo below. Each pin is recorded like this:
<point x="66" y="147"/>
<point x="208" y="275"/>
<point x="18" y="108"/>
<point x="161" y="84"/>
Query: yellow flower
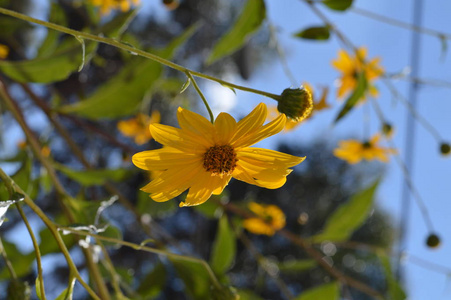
<point x="107" y="5"/>
<point x="203" y="157"/>
<point x="354" y="151"/>
<point x="269" y="219"/>
<point x="318" y="105"/>
<point x="4" y="51"/>
<point x="352" y="66"/>
<point x="138" y="127"/>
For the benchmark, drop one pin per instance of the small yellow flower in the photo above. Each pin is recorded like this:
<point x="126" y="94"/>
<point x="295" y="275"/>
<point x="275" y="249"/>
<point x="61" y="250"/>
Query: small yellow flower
<point x="352" y="66"/>
<point x="138" y="127"/>
<point x="4" y="51"/>
<point x="203" y="157"/>
<point x="269" y="219"/>
<point x="318" y="105"/>
<point x="354" y="151"/>
<point x="107" y="5"/>
<point x="45" y="151"/>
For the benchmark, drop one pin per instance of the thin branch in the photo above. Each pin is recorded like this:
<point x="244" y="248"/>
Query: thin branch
<point x="36" y="250"/>
<point x="210" y="113"/>
<point x="118" y="44"/>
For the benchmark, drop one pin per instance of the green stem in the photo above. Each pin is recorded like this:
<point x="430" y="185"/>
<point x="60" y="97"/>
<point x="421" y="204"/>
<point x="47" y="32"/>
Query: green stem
<point x="191" y="78"/>
<point x="53" y="230"/>
<point x="36" y="250"/>
<point x="207" y="267"/>
<point x="117" y="44"/>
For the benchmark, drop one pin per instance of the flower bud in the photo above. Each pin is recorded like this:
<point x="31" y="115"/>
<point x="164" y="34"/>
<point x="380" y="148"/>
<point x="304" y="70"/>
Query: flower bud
<point x="433" y="241"/>
<point x="296" y="104"/>
<point x="387" y="129"/>
<point x="445" y="148"/>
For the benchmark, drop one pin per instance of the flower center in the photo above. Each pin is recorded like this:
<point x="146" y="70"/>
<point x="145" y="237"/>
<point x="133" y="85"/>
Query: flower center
<point x="220" y="160"/>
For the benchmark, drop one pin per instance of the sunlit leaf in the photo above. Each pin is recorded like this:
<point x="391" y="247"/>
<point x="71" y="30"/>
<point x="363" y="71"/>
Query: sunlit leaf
<point x="348" y="217"/>
<point x="250" y="19"/>
<point x="93" y="177"/>
<point x="357" y="94"/>
<point x="65" y="60"/>
<point x="395" y="291"/>
<point x="248" y="295"/>
<point x="123" y="94"/>
<point x="224" y="247"/>
<point x="340" y="5"/>
<point x="185" y="85"/>
<point x="314" y="33"/>
<point x="329" y="291"/>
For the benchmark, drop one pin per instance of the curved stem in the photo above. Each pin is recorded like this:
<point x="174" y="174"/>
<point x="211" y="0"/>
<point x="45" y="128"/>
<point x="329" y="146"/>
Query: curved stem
<point x="53" y="230"/>
<point x="36" y="249"/>
<point x="191" y="78"/>
<point x="118" y="44"/>
<point x="207" y="267"/>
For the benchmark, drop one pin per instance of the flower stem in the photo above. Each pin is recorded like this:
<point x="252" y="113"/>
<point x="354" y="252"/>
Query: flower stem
<point x="36" y="249"/>
<point x="191" y="78"/>
<point x="112" y="42"/>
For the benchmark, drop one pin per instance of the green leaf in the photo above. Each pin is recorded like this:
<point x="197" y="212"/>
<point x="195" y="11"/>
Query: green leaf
<point x="123" y="94"/>
<point x="395" y="292"/>
<point x="224" y="247"/>
<point x="348" y="217"/>
<point x="65" y="60"/>
<point x="195" y="276"/>
<point x="93" y="177"/>
<point x="296" y="266"/>
<point x="314" y="33"/>
<point x="118" y="24"/>
<point x="251" y="18"/>
<point x="340" y="5"/>
<point x="248" y="295"/>
<point x="153" y="283"/>
<point x="10" y="26"/>
<point x="66" y="294"/>
<point x="328" y="291"/>
<point x="18" y="290"/>
<point x="146" y="205"/>
<point x="50" y="42"/>
<point x="356" y="95"/>
<point x="47" y="240"/>
<point x="38" y="288"/>
<point x="21" y="262"/>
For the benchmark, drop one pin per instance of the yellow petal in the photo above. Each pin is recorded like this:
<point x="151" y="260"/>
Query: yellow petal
<point x="261" y="133"/>
<point x="225" y="126"/>
<point x="257" y="226"/>
<point x="251" y="122"/>
<point x="176" y="138"/>
<point x="196" y="124"/>
<point x="162" y="159"/>
<point x="202" y="189"/>
<point x="224" y="183"/>
<point x="269" y="157"/>
<point x="243" y="174"/>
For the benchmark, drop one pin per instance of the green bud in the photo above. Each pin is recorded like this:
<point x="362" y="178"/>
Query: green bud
<point x="433" y="241"/>
<point x="296" y="104"/>
<point x="445" y="148"/>
<point x="387" y="129"/>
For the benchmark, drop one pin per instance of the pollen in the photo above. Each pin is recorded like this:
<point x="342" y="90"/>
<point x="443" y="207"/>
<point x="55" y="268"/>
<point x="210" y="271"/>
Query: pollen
<point x="220" y="160"/>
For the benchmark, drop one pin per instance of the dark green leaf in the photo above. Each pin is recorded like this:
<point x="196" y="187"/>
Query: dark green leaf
<point x="340" y="5"/>
<point x="50" y="42"/>
<point x="358" y="93"/>
<point x="395" y="292"/>
<point x="153" y="283"/>
<point x="348" y="217"/>
<point x="248" y="295"/>
<point x="93" y="177"/>
<point x="195" y="276"/>
<point x="10" y="26"/>
<point x="249" y="21"/>
<point x="296" y="266"/>
<point x="210" y="209"/>
<point x="123" y="94"/>
<point x="21" y="262"/>
<point x="18" y="290"/>
<point x="314" y="33"/>
<point x="155" y="209"/>
<point x="328" y="291"/>
<point x="224" y="247"/>
<point x="65" y="60"/>
<point x="48" y="244"/>
<point x="118" y="24"/>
